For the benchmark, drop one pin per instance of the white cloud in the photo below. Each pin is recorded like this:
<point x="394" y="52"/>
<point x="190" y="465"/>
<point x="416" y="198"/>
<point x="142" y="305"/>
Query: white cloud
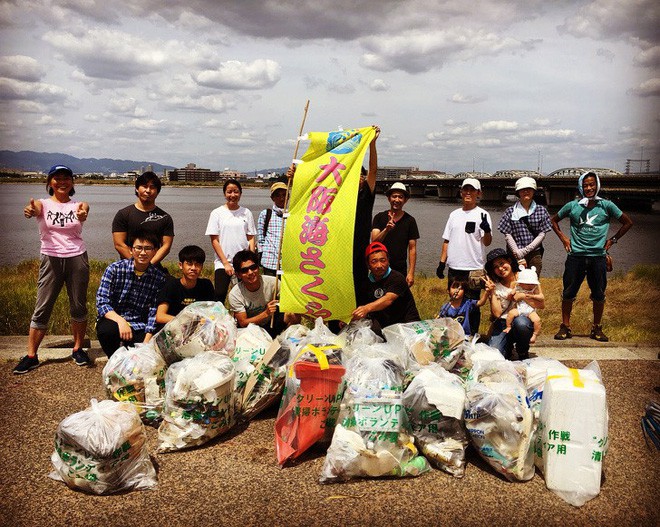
<point x="47" y="93"/>
<point x="649" y="58"/>
<point x="236" y="75"/>
<point x="649" y="88"/>
<point x="498" y="126"/>
<point x="379" y="85"/>
<point x="21" y="67"/>
<point x="206" y="103"/>
<point x="467" y="99"/>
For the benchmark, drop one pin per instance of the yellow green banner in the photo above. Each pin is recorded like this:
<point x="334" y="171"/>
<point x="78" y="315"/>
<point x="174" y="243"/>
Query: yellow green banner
<point x="317" y="247"/>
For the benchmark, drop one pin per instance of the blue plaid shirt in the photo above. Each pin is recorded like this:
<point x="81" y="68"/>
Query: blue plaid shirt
<point x="269" y="245"/>
<point x="131" y="296"/>
<point x="539" y="221"/>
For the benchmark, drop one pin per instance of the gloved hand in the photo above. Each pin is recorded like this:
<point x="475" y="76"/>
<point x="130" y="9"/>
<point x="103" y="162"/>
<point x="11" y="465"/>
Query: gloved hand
<point x="484" y="226"/>
<point x="440" y="271"/>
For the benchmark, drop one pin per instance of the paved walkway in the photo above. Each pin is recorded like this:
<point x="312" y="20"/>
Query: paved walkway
<point x="235" y="479"/>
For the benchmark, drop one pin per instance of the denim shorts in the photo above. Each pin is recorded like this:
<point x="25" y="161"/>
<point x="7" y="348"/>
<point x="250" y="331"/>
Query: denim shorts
<point x="577" y="267"/>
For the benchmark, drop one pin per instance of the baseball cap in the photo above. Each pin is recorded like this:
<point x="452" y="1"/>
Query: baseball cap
<point x="277" y="186"/>
<point x="59" y="168"/>
<point x="471" y="182"/>
<point x="400" y="187"/>
<point x="374" y="247"/>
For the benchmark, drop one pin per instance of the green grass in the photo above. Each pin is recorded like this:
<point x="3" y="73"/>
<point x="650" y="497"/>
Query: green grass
<point x="630" y="316"/>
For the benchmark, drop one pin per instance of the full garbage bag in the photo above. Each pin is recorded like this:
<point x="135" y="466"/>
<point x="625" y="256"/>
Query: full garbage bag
<point x="260" y="370"/>
<point x="102" y="450"/>
<point x="199" y="401"/>
<point x="499" y="419"/>
<point x="310" y="401"/>
<point x="357" y="335"/>
<point x="435" y="401"/>
<point x="372" y="437"/>
<point x="137" y="375"/>
<point x="471" y="352"/>
<point x="435" y="340"/>
<point x="200" y="326"/>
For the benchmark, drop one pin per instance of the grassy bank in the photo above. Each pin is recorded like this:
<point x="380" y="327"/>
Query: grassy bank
<point x="630" y="316"/>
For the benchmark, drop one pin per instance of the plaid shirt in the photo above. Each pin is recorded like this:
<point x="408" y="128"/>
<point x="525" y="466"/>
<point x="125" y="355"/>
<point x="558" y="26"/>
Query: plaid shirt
<point x="539" y="221"/>
<point x="131" y="296"/>
<point x="269" y="245"/>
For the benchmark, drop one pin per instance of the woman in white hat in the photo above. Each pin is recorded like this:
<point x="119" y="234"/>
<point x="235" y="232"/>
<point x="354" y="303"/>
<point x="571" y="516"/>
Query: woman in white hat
<point x="525" y="224"/>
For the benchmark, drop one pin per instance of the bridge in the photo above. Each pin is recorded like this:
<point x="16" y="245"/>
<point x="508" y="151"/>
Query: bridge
<point x="555" y="189"/>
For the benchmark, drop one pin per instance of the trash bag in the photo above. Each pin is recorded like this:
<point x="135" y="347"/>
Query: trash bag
<point x="471" y="352"/>
<point x="137" y="375"/>
<point x="435" y="340"/>
<point x="260" y="370"/>
<point x="199" y="401"/>
<point x="356" y="335"/>
<point x="103" y="450"/>
<point x="310" y="402"/>
<point x="435" y="401"/>
<point x="499" y="419"/>
<point x="573" y="433"/>
<point x="200" y="326"/>
<point x="372" y="437"/>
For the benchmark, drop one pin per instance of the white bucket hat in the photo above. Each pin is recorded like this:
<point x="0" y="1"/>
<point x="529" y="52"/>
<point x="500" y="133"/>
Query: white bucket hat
<point x="525" y="182"/>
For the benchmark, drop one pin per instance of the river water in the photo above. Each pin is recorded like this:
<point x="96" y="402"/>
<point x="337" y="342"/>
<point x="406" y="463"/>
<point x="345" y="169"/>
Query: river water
<point x="190" y="208"/>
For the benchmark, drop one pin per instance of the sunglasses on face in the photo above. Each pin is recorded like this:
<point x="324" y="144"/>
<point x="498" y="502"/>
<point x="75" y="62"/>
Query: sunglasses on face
<point x="252" y="267"/>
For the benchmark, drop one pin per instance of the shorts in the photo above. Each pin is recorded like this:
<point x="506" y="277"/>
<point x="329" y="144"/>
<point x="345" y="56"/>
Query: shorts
<point x="577" y="267"/>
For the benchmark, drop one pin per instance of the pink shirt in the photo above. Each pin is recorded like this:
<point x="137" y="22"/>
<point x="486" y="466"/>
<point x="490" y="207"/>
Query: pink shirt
<point x="59" y="229"/>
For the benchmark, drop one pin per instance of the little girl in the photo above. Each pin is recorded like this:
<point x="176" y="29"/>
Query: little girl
<point x="462" y="309"/>
<point x="527" y="283"/>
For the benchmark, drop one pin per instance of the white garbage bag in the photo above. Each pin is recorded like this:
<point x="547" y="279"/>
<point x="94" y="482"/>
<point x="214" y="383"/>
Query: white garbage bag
<point x="102" y="450"/>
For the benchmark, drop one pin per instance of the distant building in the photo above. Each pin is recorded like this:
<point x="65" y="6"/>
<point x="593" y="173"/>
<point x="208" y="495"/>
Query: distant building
<point x="192" y="173"/>
<point x="395" y="172"/>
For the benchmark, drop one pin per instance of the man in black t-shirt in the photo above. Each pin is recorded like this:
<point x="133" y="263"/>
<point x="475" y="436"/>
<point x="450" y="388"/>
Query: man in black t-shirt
<point x="177" y="293"/>
<point x="398" y="231"/>
<point x="144" y="216"/>
<point x="389" y="299"/>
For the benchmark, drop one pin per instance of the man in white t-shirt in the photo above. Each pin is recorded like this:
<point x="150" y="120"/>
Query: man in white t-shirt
<point x="252" y="300"/>
<point x="467" y="232"/>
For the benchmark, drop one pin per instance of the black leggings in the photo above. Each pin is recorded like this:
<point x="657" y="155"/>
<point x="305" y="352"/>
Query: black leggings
<point x="222" y="281"/>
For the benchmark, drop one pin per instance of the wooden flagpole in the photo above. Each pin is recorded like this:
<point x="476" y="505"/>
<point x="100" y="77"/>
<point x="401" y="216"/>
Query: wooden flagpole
<point x="286" y="207"/>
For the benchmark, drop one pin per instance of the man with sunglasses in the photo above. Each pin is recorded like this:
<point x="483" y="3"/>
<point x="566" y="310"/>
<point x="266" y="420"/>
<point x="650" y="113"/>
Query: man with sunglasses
<point x="251" y="300"/>
<point x="126" y="298"/>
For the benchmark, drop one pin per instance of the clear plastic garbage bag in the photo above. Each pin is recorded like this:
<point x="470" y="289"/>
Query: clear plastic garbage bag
<point x="199" y="327"/>
<point x="137" y="375"/>
<point x="102" y="450"/>
<point x="199" y="401"/>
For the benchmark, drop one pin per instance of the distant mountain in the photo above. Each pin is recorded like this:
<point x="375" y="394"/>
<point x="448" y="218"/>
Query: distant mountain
<point x="42" y="161"/>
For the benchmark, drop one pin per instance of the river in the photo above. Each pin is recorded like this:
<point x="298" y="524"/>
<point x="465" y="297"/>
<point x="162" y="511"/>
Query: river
<point x="190" y="208"/>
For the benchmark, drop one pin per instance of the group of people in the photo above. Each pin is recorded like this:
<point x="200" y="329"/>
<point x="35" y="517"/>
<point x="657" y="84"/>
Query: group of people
<point x="137" y="296"/>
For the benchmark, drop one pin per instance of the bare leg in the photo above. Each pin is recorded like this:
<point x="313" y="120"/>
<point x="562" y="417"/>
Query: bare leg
<point x="536" y="320"/>
<point x="34" y="340"/>
<point x="78" y="330"/>
<point x="509" y="320"/>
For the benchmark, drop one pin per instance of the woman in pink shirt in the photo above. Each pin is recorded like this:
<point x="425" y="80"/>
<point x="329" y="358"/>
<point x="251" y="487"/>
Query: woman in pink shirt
<point x="63" y="261"/>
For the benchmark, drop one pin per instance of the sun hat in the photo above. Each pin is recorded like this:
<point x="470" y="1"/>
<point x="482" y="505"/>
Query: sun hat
<point x="525" y="182"/>
<point x="374" y="247"/>
<point x="474" y="183"/>
<point x="277" y="186"/>
<point x="500" y="253"/>
<point x="528" y="276"/>
<point x="398" y="187"/>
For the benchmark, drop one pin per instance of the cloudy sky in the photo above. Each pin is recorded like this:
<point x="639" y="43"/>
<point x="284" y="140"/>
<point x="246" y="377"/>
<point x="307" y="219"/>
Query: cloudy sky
<point x="454" y="85"/>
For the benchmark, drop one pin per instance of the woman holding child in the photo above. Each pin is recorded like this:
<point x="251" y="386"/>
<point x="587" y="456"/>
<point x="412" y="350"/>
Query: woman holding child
<point x="502" y="270"/>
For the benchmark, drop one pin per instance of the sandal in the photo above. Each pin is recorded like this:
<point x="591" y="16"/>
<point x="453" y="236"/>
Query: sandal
<point x="564" y="333"/>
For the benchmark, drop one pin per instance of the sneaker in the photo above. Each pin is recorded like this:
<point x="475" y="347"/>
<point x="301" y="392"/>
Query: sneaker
<point x="564" y="333"/>
<point x="26" y="364"/>
<point x="597" y="333"/>
<point x="81" y="358"/>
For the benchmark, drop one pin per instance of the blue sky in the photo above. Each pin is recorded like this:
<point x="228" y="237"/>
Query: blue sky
<point x="490" y="84"/>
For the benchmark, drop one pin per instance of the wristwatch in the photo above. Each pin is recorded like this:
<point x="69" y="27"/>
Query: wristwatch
<point x="614" y="239"/>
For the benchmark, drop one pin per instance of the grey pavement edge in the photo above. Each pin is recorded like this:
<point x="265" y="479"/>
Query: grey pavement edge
<point x="58" y="347"/>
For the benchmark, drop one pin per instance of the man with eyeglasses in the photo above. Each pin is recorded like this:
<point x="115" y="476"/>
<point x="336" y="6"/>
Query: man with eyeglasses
<point x="126" y="298"/>
<point x="251" y="300"/>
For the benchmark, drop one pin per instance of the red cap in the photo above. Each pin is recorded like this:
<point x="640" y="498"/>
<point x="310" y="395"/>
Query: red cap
<point x="374" y="248"/>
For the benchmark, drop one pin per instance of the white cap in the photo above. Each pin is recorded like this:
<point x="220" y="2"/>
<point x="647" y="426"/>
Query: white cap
<point x="398" y="187"/>
<point x="525" y="182"/>
<point x="472" y="182"/>
<point x="528" y="276"/>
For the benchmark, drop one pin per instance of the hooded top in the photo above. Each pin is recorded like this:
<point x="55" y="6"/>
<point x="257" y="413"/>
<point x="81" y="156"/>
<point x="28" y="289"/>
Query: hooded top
<point x="585" y="201"/>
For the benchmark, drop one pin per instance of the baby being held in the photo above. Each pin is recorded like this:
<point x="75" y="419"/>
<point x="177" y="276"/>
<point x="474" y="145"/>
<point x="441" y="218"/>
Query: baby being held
<point x="528" y="283"/>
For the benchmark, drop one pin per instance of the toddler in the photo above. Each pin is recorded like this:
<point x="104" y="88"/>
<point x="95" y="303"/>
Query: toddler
<point x="527" y="283"/>
<point x="464" y="310"/>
